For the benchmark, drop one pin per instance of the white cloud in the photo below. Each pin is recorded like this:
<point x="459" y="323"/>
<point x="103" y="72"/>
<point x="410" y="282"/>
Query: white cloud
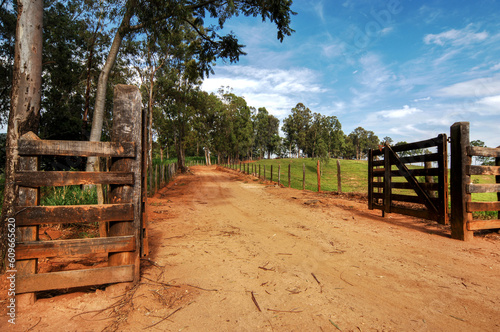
<point x="275" y="89"/>
<point x="398" y="113"/>
<point x="478" y="87"/>
<point x="455" y="37"/>
<point x="422" y="99"/>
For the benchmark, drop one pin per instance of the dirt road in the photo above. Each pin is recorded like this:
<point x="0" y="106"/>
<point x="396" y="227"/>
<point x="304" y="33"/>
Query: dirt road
<point x="230" y="254"/>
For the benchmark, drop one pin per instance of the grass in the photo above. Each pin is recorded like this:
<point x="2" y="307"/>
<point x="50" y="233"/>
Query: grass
<point x="354" y="175"/>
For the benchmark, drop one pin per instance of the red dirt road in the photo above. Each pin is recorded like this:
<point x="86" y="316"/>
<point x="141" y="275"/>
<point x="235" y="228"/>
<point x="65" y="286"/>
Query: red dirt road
<point x="230" y="254"/>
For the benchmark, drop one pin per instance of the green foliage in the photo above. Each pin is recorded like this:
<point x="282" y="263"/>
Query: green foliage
<point x="68" y="195"/>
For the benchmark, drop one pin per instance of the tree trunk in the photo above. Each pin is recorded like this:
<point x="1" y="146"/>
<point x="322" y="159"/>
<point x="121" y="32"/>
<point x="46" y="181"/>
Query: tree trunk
<point x="24" y="113"/>
<point x="102" y="83"/>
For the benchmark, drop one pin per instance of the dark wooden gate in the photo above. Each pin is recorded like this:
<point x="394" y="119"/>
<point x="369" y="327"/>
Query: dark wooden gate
<point x="396" y="186"/>
<point x="125" y="237"/>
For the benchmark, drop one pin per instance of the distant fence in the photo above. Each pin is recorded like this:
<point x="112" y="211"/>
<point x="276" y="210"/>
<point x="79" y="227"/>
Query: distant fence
<point x="462" y="188"/>
<point x="309" y="178"/>
<point x="126" y="229"/>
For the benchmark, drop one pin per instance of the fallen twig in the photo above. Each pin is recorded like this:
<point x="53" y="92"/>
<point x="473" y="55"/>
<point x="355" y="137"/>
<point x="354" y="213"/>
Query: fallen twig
<point x="338" y="328"/>
<point x="255" y="301"/>
<point x="293" y="311"/>
<point x="208" y="290"/>
<point x="164" y="318"/>
<point x="315" y="278"/>
<point x="31" y="328"/>
<point x="347" y="282"/>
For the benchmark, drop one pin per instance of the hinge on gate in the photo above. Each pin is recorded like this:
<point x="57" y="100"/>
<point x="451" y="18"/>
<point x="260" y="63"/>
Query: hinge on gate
<point x="449" y="139"/>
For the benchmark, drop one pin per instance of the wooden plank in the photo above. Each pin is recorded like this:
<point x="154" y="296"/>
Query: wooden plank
<point x="476" y="225"/>
<point x="378" y="162"/>
<point x="77" y="278"/>
<point x="419" y="172"/>
<point x="424" y="214"/>
<point x="421" y="158"/>
<point x="406" y="185"/>
<point x="47" y="179"/>
<point x="483" y="206"/>
<point x="483" y="170"/>
<point x="473" y="188"/>
<point x="37" y="215"/>
<point x="483" y="152"/>
<point x="58" y="248"/>
<point x="76" y="148"/>
<point x="418" y="145"/>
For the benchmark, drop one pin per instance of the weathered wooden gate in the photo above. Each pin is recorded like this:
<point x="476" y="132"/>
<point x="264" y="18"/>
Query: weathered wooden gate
<point x="125" y="237"/>
<point x="396" y="187"/>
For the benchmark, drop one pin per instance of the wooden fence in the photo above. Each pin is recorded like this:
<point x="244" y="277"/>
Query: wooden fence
<point x="124" y="213"/>
<point x="161" y="176"/>
<point x="462" y="188"/>
<point x="274" y="174"/>
<point x="419" y="195"/>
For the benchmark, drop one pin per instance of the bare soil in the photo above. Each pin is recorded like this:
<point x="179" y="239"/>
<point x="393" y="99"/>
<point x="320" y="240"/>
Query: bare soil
<point x="229" y="253"/>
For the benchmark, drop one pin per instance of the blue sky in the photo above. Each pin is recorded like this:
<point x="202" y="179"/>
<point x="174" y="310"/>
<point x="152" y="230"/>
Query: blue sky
<point x="404" y="69"/>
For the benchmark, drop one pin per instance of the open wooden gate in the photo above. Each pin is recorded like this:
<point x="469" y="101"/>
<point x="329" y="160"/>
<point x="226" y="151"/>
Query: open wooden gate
<point x="395" y="186"/>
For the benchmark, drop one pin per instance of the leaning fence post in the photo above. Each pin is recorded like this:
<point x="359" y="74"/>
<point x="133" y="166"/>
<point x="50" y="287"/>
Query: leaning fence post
<point x="460" y="159"/>
<point x="127" y="108"/>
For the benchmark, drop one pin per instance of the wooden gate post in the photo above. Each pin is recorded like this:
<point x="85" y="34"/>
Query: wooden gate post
<point x="497" y="180"/>
<point x="27" y="197"/>
<point x="303" y="176"/>
<point x="127" y="116"/>
<point x="459" y="133"/>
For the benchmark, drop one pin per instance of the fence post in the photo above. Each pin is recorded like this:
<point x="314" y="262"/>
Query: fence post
<point x="289" y="165"/>
<point x="271" y="173"/>
<point x="319" y="176"/>
<point x="279" y="175"/>
<point x="370" y="179"/>
<point x="459" y="133"/>
<point x="387" y="181"/>
<point x="497" y="180"/>
<point x="339" y="178"/>
<point x="303" y="176"/>
<point x="27" y="197"/>
<point x="127" y="108"/>
<point x="259" y="171"/>
<point x="265" y="173"/>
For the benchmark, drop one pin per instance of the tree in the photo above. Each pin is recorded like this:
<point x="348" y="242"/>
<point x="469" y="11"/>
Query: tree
<point x="266" y="132"/>
<point x="7" y="41"/>
<point x="363" y="140"/>
<point x="141" y="16"/>
<point x="296" y="127"/>
<point x="25" y="97"/>
<point x="479" y="159"/>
